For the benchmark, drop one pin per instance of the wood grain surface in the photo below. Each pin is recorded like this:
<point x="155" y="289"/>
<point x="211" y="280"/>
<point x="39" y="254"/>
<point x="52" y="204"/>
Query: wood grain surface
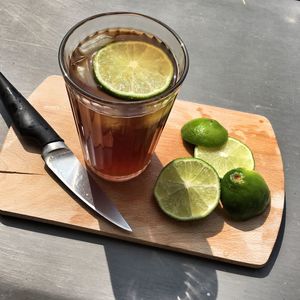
<point x="27" y="190"/>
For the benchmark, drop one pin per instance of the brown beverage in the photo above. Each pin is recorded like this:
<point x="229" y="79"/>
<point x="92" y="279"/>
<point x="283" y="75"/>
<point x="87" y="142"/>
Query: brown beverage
<point x="116" y="145"/>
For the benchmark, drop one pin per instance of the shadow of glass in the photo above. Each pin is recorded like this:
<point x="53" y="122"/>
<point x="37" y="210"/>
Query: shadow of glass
<point x="144" y="267"/>
<point x="135" y="263"/>
<point x="159" y="274"/>
<point x="137" y="271"/>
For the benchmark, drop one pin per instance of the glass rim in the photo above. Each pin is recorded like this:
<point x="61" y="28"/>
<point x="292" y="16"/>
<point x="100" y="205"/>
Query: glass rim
<point x="117" y="101"/>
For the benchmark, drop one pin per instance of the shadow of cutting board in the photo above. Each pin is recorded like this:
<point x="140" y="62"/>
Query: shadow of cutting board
<point x="28" y="191"/>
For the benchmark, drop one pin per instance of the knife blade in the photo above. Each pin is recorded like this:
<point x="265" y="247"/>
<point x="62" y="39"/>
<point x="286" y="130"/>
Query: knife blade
<point x="57" y="156"/>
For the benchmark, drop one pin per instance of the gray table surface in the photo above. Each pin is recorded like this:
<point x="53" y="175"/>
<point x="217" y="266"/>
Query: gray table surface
<point x="244" y="56"/>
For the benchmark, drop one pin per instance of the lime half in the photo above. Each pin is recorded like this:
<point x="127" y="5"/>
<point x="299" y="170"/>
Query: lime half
<point x="244" y="194"/>
<point x="187" y="189"/>
<point x="233" y="154"/>
<point x="133" y="69"/>
<point x="205" y="132"/>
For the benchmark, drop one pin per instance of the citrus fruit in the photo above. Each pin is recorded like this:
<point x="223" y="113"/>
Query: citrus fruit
<point x="133" y="69"/>
<point x="205" y="132"/>
<point x="233" y="154"/>
<point x="244" y="193"/>
<point x="187" y="189"/>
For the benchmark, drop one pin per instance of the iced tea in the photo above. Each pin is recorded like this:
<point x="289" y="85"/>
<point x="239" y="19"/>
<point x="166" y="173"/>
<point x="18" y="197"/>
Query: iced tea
<point x="118" y="136"/>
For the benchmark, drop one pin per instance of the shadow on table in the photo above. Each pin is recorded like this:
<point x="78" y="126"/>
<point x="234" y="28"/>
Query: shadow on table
<point x="141" y="272"/>
<point x="138" y="272"/>
<point x="13" y="293"/>
<point x="264" y="271"/>
<point x="158" y="274"/>
<point x="186" y="277"/>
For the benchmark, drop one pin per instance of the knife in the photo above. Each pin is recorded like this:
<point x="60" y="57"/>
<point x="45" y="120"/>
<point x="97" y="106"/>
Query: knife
<point x="57" y="156"/>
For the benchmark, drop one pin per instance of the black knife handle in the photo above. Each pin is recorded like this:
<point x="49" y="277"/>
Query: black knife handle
<point x="26" y="119"/>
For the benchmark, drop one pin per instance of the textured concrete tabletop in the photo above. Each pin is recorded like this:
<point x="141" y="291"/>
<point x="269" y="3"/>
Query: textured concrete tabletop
<point x="245" y="56"/>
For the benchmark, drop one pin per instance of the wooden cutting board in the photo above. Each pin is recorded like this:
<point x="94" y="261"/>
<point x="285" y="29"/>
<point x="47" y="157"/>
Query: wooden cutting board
<point x="28" y="191"/>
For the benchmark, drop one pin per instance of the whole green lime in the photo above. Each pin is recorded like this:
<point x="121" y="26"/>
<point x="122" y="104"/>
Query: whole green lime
<point x="204" y="132"/>
<point x="244" y="194"/>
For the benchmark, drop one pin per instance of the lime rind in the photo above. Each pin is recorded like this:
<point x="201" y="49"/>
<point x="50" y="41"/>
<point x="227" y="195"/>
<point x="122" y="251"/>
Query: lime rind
<point x="244" y="194"/>
<point x="233" y="154"/>
<point x="133" y="69"/>
<point x="204" y="132"/>
<point x="184" y="194"/>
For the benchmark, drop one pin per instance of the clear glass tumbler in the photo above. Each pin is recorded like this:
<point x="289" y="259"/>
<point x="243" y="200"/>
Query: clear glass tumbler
<point x="118" y="137"/>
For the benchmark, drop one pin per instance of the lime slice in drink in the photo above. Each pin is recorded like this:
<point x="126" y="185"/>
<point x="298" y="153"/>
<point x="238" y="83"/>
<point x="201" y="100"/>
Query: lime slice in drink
<point x="205" y="132"/>
<point x="233" y="154"/>
<point x="133" y="69"/>
<point x="187" y="189"/>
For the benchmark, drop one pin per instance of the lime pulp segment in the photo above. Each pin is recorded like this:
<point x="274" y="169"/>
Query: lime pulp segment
<point x="187" y="189"/>
<point x="233" y="154"/>
<point x="133" y="69"/>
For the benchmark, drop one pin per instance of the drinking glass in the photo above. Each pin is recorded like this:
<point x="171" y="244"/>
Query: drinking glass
<point x="118" y="137"/>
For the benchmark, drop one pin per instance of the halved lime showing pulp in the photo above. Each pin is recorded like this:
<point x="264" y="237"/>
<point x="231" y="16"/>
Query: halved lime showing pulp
<point x="187" y="189"/>
<point x="233" y="154"/>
